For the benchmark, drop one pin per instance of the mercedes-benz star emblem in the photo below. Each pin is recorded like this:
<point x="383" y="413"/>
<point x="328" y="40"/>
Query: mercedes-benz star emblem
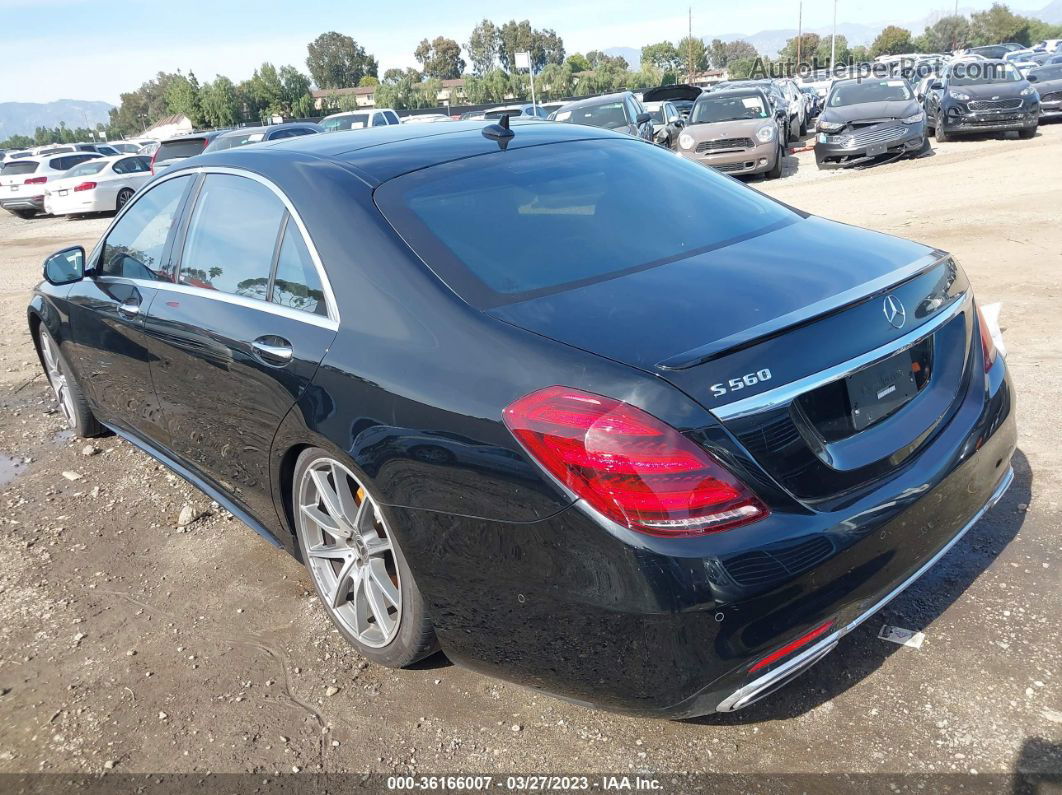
<point x="894" y="311"/>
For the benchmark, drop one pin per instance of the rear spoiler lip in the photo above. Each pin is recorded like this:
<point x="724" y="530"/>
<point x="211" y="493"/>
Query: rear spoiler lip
<point x="799" y="317"/>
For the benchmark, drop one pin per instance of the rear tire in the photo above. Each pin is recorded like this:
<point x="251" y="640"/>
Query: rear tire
<point x="356" y="564"/>
<point x="124" y="195"/>
<point x="72" y="404"/>
<point x="25" y="214"/>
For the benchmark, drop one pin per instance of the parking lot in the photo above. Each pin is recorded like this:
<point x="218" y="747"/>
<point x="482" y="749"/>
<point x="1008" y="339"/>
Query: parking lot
<point x="129" y="644"/>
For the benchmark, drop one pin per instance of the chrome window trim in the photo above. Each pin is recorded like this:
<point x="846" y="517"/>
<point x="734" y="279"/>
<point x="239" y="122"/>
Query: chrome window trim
<point x="785" y="394"/>
<point x="229" y="298"/>
<point x="300" y="314"/>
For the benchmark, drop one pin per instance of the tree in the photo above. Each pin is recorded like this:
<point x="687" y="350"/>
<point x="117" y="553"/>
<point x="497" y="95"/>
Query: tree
<point x="693" y="56"/>
<point x="859" y="54"/>
<point x="141" y="108"/>
<point x="809" y="44"/>
<point x="1040" y="30"/>
<point x="440" y="58"/>
<point x="600" y="60"/>
<point x="577" y="61"/>
<point x="556" y="80"/>
<point x="661" y="55"/>
<point x="392" y="76"/>
<point x="551" y="45"/>
<point x="295" y="97"/>
<point x="182" y="97"/>
<point x="219" y="103"/>
<point x="337" y="61"/>
<point x="998" y="24"/>
<point x="721" y="53"/>
<point x="893" y="40"/>
<point x="544" y="46"/>
<point x="741" y="68"/>
<point x="827" y="46"/>
<point x="482" y="47"/>
<point x="368" y="81"/>
<point x="945" y="35"/>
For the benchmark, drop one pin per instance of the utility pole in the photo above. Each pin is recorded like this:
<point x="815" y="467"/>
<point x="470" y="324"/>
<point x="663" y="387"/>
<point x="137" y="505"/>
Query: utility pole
<point x="689" y="48"/>
<point x="833" y="39"/>
<point x="800" y="30"/>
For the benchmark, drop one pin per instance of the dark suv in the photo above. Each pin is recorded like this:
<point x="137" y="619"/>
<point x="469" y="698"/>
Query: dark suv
<point x="982" y="96"/>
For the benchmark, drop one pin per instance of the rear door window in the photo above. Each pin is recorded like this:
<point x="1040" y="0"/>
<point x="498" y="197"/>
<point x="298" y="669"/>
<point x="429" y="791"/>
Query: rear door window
<point x="180" y="149"/>
<point x="232" y="236"/>
<point x="510" y="225"/>
<point x="135" y="246"/>
<point x="392" y="117"/>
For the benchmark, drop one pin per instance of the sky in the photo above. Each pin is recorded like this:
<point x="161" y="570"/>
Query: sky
<point x="96" y="49"/>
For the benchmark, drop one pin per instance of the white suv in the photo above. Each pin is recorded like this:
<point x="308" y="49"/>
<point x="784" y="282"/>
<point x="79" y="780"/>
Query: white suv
<point x="359" y="119"/>
<point x="22" y="181"/>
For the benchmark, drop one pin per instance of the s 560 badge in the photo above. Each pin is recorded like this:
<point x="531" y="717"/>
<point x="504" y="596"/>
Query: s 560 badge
<point x="735" y="384"/>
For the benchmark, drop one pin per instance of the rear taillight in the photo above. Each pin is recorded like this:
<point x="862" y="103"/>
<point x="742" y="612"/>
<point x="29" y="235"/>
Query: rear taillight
<point x="987" y="345"/>
<point x="35" y="181"/>
<point x="154" y="156"/>
<point x="628" y="465"/>
<point x="85" y="186"/>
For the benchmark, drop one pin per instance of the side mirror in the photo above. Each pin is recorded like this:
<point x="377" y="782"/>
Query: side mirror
<point x="679" y="122"/>
<point x="643" y="118"/>
<point x="66" y="266"/>
<point x="936" y="85"/>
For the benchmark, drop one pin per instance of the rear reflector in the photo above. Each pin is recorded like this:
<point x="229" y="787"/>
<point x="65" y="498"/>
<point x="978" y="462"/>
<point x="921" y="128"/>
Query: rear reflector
<point x="628" y="465"/>
<point x="791" y="647"/>
<point x="85" y="186"/>
<point x="987" y="345"/>
<point x="35" y="181"/>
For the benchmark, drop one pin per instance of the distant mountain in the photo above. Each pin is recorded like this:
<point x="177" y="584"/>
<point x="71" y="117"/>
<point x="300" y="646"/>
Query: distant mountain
<point x="1050" y="13"/>
<point x="22" y="118"/>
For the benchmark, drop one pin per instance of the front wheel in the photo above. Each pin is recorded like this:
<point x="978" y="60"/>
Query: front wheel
<point x="939" y="131"/>
<point x="776" y="170"/>
<point x="356" y="564"/>
<point x="1027" y="133"/>
<point x="72" y="403"/>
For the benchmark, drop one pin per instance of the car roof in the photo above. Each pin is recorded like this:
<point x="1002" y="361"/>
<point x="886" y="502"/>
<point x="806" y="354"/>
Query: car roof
<point x="600" y="99"/>
<point x="378" y="154"/>
<point x="191" y="135"/>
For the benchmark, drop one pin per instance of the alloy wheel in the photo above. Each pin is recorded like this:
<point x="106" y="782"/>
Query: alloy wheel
<point x="57" y="379"/>
<point x="123" y="197"/>
<point x="350" y="554"/>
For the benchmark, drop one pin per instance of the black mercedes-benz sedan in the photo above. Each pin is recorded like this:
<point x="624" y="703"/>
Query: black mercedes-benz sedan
<point x="660" y="472"/>
<point x="867" y="119"/>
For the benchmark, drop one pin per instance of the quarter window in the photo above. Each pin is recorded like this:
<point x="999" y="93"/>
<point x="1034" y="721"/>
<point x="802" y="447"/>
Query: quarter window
<point x="232" y="236"/>
<point x="135" y="246"/>
<point x="296" y="283"/>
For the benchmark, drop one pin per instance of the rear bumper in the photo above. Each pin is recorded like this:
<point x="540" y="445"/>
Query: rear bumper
<point x="23" y="203"/>
<point x="668" y="628"/>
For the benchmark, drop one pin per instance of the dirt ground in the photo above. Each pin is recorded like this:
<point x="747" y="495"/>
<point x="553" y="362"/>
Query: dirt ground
<point x="130" y="645"/>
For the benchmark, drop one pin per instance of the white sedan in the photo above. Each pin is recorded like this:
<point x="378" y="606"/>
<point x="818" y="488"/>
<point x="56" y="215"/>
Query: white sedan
<point x="97" y="186"/>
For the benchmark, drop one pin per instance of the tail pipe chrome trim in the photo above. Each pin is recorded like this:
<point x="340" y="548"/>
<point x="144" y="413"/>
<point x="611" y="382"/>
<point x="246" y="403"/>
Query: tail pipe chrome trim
<point x="769" y="682"/>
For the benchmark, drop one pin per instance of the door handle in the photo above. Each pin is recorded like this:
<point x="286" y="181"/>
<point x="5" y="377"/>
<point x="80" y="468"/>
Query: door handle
<point x="130" y="307"/>
<point x="274" y="350"/>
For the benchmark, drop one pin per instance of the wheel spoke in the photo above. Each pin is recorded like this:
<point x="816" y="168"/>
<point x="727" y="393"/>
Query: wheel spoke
<point x="382" y="580"/>
<point x="376" y="604"/>
<point x="346" y="581"/>
<point x="321" y="551"/>
<point x="348" y="508"/>
<point x="377" y="545"/>
<point x="327" y="523"/>
<point x="327" y="493"/>
<point x="365" y="519"/>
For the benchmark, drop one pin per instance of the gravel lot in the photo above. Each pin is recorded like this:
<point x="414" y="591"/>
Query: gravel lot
<point x="128" y="644"/>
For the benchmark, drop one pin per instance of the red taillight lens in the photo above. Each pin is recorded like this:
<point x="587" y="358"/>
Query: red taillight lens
<point x="85" y="186"/>
<point x="987" y="345"/>
<point x="792" y="646"/>
<point x="629" y="465"/>
<point x="35" y="181"/>
<point x="154" y="157"/>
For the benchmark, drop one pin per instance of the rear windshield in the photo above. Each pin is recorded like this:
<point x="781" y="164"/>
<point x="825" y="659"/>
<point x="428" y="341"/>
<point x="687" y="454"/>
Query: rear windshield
<point x="231" y="141"/>
<point x="860" y="91"/>
<point x="355" y="121"/>
<point x="514" y="224"/>
<point x="177" y="149"/>
<point x="712" y="109"/>
<point x="611" y="116"/>
<point x="497" y="114"/>
<point x="83" y="170"/>
<point x="19" y="168"/>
